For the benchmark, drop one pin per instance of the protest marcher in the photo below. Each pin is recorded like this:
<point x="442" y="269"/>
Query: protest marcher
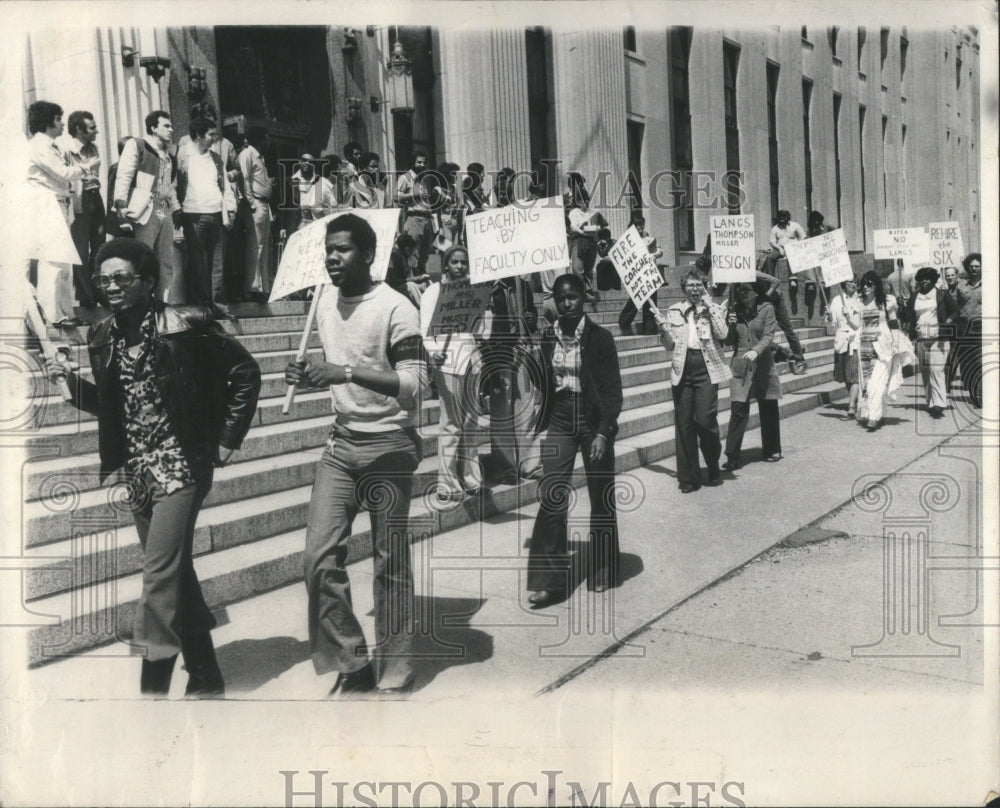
<point x="879" y="368"/>
<point x="454" y="358"/>
<point x="845" y="314"/>
<point x="352" y="160"/>
<point x="174" y="397"/>
<point x="80" y="148"/>
<point x="146" y="200"/>
<point x="900" y="284"/>
<point x="784" y="230"/>
<point x="629" y="310"/>
<point x="693" y="330"/>
<point x="313" y="197"/>
<point x="377" y="374"/>
<point x="112" y="224"/>
<point x="207" y="208"/>
<point x="931" y="317"/>
<point x="511" y="320"/>
<point x="502" y="193"/>
<point x="751" y="334"/>
<point x="969" y="296"/>
<point x="257" y="186"/>
<point x="414" y="198"/>
<point x="49" y="179"/>
<point x="473" y="192"/>
<point x="447" y="207"/>
<point x="581" y="405"/>
<point x="398" y="277"/>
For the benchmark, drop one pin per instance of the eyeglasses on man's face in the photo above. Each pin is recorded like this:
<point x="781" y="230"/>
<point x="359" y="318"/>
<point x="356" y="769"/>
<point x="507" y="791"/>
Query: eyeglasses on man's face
<point x="121" y="279"/>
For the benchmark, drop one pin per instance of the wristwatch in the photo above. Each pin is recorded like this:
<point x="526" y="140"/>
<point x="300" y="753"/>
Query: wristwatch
<point x="347" y="374"/>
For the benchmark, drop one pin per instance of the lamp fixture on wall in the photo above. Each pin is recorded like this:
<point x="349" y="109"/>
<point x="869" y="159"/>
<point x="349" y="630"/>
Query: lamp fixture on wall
<point x="155" y="66"/>
<point x="400" y="80"/>
<point x="197" y="83"/>
<point x="353" y="109"/>
<point x="350" y="40"/>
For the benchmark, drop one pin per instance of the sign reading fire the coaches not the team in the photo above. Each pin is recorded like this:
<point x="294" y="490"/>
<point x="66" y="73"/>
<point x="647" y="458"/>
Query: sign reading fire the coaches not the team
<point x="639" y="273"/>
<point x="733" y="248"/>
<point x="459" y="305"/>
<point x="909" y="243"/>
<point x="517" y="240"/>
<point x="946" y="248"/>
<point x="303" y="263"/>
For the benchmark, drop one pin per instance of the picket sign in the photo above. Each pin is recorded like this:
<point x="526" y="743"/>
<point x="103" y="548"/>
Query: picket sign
<point x="517" y="240"/>
<point x="733" y="249"/>
<point x="946" y="248"/>
<point x="300" y="357"/>
<point x="636" y="266"/>
<point x="909" y="243"/>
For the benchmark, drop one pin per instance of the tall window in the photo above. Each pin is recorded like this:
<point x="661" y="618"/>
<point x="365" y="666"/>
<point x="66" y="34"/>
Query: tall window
<point x="861" y="161"/>
<point x="836" y="151"/>
<point x="628" y="34"/>
<point x="537" y="54"/>
<point x="905" y="170"/>
<point x="772" y="133"/>
<point x="883" y="49"/>
<point x="415" y="131"/>
<point x="680" y="126"/>
<point x="862" y="36"/>
<point x="832" y="35"/>
<point x="807" y="87"/>
<point x="885" y="179"/>
<point x="904" y="46"/>
<point x="730" y="71"/>
<point x="634" y="131"/>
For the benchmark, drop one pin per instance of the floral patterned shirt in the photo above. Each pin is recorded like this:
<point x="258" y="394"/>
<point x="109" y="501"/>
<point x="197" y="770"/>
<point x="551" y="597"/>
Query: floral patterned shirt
<point x="153" y="445"/>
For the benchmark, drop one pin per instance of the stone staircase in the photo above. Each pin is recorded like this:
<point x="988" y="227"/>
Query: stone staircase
<point x="84" y="550"/>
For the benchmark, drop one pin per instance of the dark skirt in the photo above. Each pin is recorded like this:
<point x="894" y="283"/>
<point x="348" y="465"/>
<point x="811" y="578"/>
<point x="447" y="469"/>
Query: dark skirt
<point x="845" y="368"/>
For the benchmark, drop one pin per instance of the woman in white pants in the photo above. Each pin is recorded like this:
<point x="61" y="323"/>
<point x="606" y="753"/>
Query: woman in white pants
<point x="930" y="314"/>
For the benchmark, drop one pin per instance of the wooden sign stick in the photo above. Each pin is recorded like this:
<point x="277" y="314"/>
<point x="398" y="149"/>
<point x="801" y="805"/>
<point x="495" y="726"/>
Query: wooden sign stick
<point x="300" y="357"/>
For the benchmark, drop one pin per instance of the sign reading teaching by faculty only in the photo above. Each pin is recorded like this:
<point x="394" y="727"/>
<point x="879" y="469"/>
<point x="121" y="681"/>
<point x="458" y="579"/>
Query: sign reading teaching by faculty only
<point x="517" y="240"/>
<point x="639" y="273"/>
<point x="733" y="248"/>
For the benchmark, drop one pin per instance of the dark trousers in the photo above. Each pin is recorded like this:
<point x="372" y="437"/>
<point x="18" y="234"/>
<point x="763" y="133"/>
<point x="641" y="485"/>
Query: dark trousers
<point x="500" y="384"/>
<point x="202" y="232"/>
<point x="171" y="606"/>
<point x="785" y="323"/>
<point x="629" y="311"/>
<point x="969" y="355"/>
<point x="770" y="427"/>
<point x="374" y="471"/>
<point x="87" y="231"/>
<point x="696" y="420"/>
<point x="548" y="558"/>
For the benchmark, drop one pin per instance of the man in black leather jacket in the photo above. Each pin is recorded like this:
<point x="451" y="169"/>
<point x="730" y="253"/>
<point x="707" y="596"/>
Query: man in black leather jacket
<point x="174" y="396"/>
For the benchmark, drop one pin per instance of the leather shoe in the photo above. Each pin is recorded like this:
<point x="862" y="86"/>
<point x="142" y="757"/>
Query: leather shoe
<point x="688" y="488"/>
<point x="714" y="478"/>
<point x="543" y="597"/>
<point x="732" y="465"/>
<point x="400" y="692"/>
<point x="599" y="588"/>
<point x="204" y="676"/>
<point x="360" y="681"/>
<point x="156" y="675"/>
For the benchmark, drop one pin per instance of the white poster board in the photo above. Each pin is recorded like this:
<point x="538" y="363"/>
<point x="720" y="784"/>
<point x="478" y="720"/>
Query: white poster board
<point x="946" y="248"/>
<point x="833" y="258"/>
<point x="802" y="255"/>
<point x="733" y="249"/>
<point x="637" y="268"/>
<point x="459" y="305"/>
<point x="517" y="240"/>
<point x="909" y="243"/>
<point x="303" y="263"/>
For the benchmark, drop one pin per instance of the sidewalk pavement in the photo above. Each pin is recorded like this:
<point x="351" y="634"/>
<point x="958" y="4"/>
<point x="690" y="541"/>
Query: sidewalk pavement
<point x="671" y="623"/>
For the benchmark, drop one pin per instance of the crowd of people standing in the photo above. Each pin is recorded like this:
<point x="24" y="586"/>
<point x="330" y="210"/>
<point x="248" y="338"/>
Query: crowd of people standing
<point x="551" y="392"/>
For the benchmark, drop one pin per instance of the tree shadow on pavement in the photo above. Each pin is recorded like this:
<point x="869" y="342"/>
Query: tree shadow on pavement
<point x="249" y="664"/>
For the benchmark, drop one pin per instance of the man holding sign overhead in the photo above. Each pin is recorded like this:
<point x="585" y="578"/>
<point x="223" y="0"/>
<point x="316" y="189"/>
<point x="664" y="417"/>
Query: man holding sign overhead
<point x="376" y="373"/>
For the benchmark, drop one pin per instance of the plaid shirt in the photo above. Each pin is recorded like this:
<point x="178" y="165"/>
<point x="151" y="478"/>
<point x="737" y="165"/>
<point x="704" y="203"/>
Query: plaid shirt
<point x="152" y="443"/>
<point x="712" y="329"/>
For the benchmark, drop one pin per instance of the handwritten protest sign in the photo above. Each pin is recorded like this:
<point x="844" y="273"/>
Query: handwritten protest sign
<point x="517" y="240"/>
<point x="733" y="249"/>
<point x="833" y="258"/>
<point x="946" y="248"/>
<point x="909" y="243"/>
<point x="802" y="255"/>
<point x="303" y="263"/>
<point x="636" y="266"/>
<point x="459" y="306"/>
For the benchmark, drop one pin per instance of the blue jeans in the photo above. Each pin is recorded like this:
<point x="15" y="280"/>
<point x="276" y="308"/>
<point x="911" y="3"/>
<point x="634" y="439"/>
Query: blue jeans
<point x="372" y="470"/>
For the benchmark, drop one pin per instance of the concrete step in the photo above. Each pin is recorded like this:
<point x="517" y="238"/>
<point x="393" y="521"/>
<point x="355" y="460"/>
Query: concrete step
<point x="249" y="499"/>
<point x="101" y="612"/>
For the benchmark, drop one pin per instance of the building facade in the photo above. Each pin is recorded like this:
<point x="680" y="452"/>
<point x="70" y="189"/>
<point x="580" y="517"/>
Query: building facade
<point x="875" y="127"/>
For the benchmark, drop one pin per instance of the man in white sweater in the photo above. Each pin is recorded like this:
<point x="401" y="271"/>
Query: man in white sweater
<point x="376" y="371"/>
